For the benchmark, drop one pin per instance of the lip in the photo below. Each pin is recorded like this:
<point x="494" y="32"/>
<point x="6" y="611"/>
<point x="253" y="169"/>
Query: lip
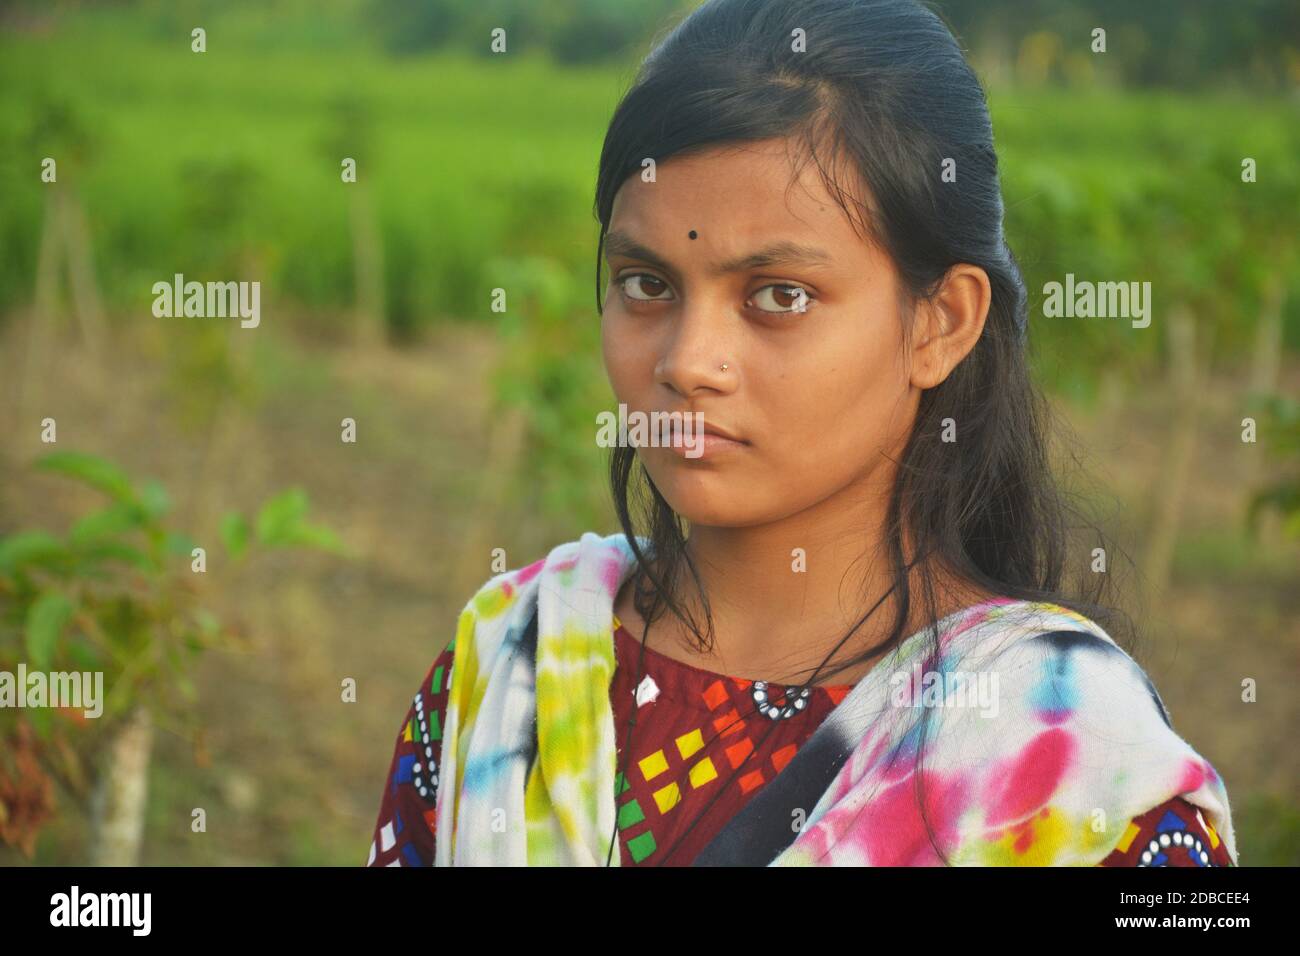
<point x="710" y="440"/>
<point x="722" y="433"/>
<point x="710" y="428"/>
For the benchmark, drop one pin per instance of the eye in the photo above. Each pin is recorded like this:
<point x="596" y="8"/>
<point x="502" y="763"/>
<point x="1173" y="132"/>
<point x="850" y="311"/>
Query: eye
<point x="792" y="299"/>
<point x="651" y="287"/>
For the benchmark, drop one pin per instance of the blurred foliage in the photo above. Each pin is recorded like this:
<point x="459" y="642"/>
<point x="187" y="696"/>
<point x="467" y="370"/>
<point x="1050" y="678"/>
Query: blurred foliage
<point x="202" y="163"/>
<point x="116" y="595"/>
<point x="1272" y="837"/>
<point x="570" y="31"/>
<point x="1279" y="429"/>
<point x="1183" y="44"/>
<point x="227" y="164"/>
<point x="552" y="374"/>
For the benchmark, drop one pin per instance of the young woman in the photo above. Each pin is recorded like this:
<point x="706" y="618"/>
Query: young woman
<point x="838" y="635"/>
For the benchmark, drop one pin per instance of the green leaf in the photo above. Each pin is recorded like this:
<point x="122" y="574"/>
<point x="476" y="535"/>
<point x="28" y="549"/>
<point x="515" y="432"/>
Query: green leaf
<point x="30" y="547"/>
<point x="234" y="533"/>
<point x="178" y="542"/>
<point x="92" y="470"/>
<point x="117" y="518"/>
<point x="46" y="618"/>
<point x="280" y="517"/>
<point x="318" y="536"/>
<point x="155" y="500"/>
<point x="86" y="657"/>
<point x="118" y="551"/>
<point x="281" y="523"/>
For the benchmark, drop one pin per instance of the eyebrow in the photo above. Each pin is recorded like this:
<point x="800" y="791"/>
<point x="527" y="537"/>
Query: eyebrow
<point x="778" y="253"/>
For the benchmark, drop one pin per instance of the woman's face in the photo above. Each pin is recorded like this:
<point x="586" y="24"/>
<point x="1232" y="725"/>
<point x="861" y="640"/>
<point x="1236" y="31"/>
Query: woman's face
<point x="817" y="397"/>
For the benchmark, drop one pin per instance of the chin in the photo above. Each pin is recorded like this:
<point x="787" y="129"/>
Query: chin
<point x="716" y="501"/>
<point x="709" y="498"/>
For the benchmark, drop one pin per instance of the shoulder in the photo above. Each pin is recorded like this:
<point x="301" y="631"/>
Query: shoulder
<point x="1068" y="730"/>
<point x="1033" y="643"/>
<point x="1053" y="667"/>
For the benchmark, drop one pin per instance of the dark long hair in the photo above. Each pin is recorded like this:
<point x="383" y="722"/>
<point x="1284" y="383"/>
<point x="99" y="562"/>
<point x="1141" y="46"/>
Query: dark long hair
<point x="881" y="84"/>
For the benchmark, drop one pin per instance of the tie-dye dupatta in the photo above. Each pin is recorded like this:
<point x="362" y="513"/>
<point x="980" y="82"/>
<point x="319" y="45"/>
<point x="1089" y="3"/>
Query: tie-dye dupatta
<point x="1042" y="740"/>
<point x="528" y="758"/>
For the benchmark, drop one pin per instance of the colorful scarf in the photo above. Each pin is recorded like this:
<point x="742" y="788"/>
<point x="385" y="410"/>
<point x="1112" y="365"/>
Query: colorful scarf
<point x="1040" y="739"/>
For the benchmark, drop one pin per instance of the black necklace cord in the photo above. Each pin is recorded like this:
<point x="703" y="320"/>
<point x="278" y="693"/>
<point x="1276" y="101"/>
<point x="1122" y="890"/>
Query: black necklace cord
<point x="785" y="696"/>
<point x="632" y="723"/>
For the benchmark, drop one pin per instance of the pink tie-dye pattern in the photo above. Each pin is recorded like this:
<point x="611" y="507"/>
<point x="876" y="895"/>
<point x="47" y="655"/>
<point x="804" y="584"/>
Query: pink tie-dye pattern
<point x="896" y="835"/>
<point x="526" y="574"/>
<point x="1193" y="777"/>
<point x="1027" y="781"/>
<point x="611" y="575"/>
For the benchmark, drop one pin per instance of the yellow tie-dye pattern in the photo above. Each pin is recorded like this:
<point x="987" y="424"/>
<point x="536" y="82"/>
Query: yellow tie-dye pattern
<point x="573" y="717"/>
<point x="1048" y="835"/>
<point x="488" y="604"/>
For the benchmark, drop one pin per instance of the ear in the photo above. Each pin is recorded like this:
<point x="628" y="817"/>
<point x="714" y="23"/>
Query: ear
<point x="949" y="324"/>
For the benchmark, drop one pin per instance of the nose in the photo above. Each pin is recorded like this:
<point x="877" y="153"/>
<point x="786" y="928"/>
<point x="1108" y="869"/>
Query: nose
<point x="695" y="351"/>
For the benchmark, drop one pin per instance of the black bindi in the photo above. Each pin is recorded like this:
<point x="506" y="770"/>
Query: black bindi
<point x="693" y="234"/>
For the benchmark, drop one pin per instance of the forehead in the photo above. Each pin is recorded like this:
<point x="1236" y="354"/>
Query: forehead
<point x="745" y="194"/>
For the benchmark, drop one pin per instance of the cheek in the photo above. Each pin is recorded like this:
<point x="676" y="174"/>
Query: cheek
<point x="626" y="364"/>
<point x="849" y="408"/>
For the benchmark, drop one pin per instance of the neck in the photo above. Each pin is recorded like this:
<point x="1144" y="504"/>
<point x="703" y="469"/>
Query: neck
<point x="784" y="594"/>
